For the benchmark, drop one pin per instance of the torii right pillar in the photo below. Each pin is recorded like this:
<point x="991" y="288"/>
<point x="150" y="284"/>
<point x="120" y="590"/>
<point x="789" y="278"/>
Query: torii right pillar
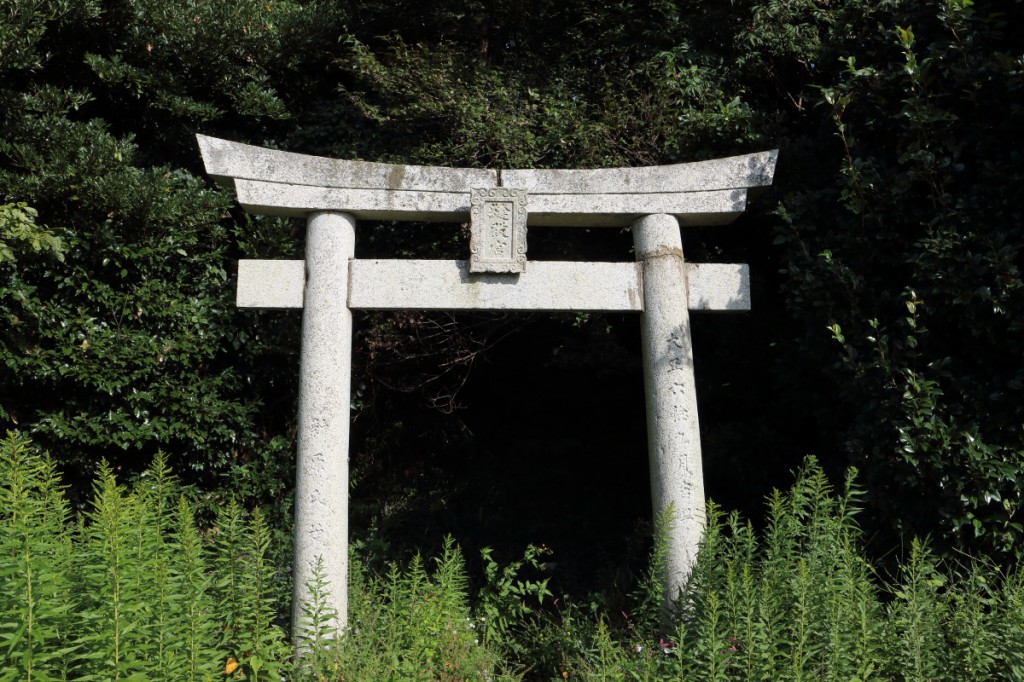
<point x="673" y="432"/>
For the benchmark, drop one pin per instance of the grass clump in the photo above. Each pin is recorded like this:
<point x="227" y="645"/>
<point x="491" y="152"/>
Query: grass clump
<point x="800" y="601"/>
<point x="130" y="590"/>
<point x="413" y="623"/>
<point x="133" y="590"/>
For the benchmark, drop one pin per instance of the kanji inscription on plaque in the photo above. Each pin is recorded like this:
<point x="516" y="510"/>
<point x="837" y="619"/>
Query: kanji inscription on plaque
<point x="497" y="241"/>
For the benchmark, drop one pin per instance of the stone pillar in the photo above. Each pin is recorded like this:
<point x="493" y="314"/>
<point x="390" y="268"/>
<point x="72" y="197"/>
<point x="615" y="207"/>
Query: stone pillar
<point x="673" y="433"/>
<point x="321" y="480"/>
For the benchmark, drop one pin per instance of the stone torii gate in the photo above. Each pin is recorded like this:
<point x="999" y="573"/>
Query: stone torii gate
<point x="330" y="283"/>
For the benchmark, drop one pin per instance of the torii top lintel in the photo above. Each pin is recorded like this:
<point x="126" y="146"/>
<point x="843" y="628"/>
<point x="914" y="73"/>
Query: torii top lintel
<point x="273" y="182"/>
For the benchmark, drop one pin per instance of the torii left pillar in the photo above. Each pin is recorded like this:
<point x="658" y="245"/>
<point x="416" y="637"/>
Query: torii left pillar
<point x="325" y="381"/>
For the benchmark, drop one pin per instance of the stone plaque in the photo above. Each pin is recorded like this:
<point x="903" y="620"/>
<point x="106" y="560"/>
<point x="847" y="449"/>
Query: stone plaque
<point x="497" y="241"/>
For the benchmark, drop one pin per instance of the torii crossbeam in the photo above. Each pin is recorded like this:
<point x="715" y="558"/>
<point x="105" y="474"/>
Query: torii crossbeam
<point x="333" y="194"/>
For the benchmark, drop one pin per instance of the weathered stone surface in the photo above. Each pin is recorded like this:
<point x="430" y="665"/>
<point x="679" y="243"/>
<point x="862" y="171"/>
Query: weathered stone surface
<point x="270" y="283"/>
<point x="717" y="207"/>
<point x="673" y="432"/>
<point x="282" y="183"/>
<point x="271" y="198"/>
<point x="321" y="479"/>
<point x="497" y="241"/>
<point x="572" y="210"/>
<point x="226" y="160"/>
<point x="749" y="170"/>
<point x="718" y="286"/>
<point x="448" y="285"/>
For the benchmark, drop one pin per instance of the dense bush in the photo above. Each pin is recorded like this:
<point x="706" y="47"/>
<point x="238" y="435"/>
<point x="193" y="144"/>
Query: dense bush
<point x="129" y="590"/>
<point x="127" y="342"/>
<point x="886" y="262"/>
<point x="800" y="601"/>
<point x="133" y="590"/>
<point x="902" y="269"/>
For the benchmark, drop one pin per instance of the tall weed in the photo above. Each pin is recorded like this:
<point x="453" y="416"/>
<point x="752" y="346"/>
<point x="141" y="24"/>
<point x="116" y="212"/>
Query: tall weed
<point x="125" y="591"/>
<point x="36" y="567"/>
<point x="132" y="590"/>
<point x="408" y="624"/>
<point x="800" y="601"/>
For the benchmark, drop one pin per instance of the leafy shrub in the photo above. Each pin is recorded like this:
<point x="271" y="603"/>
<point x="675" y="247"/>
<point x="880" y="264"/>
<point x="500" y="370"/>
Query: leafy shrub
<point x="408" y="624"/>
<point x="800" y="601"/>
<point x="131" y="590"/>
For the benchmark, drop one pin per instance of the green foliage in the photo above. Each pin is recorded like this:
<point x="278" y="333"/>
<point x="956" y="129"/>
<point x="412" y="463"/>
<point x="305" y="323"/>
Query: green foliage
<point x="111" y="324"/>
<point x="23" y="24"/>
<point x="192" y="62"/>
<point x="653" y="603"/>
<point x="36" y="567"/>
<point x="909" y="252"/>
<point x="239" y="554"/>
<point x="439" y="102"/>
<point x="127" y="342"/>
<point x="320" y="619"/>
<point x="799" y="601"/>
<point x="505" y="597"/>
<point x="18" y="224"/>
<point x="133" y="591"/>
<point x="127" y="592"/>
<point x="453" y="108"/>
<point x="409" y="624"/>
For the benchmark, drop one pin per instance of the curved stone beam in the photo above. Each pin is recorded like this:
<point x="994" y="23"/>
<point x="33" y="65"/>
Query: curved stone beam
<point x="273" y="182"/>
<point x="716" y="207"/>
<point x="734" y="172"/>
<point x="227" y="161"/>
